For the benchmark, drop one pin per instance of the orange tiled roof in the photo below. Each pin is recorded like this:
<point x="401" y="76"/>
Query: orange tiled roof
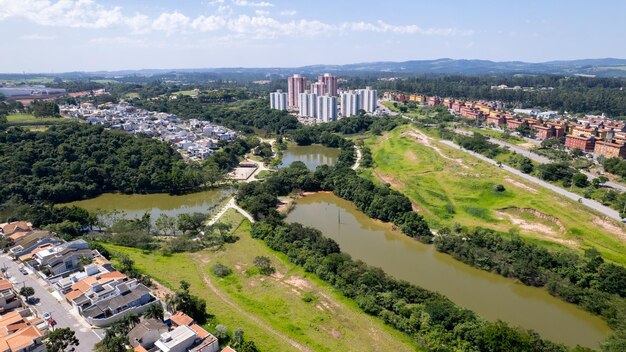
<point x="10" y="228"/>
<point x="85" y="284"/>
<point x="30" y="255"/>
<point x="5" y="284"/>
<point x="200" y="331"/>
<point x="18" y="234"/>
<point x="180" y="318"/>
<point x="140" y="348"/>
<point x="23" y="338"/>
<point x="228" y="349"/>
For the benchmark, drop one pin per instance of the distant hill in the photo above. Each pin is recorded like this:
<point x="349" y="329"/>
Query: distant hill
<point x="607" y="67"/>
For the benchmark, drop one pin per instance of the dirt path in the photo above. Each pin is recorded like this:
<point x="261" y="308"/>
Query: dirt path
<point x="425" y="140"/>
<point x="252" y="317"/>
<point x="230" y="205"/>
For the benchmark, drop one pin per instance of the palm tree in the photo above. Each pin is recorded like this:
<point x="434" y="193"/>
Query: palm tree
<point x="154" y="311"/>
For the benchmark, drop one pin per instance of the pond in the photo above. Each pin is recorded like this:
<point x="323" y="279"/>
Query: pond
<point x="311" y="155"/>
<point x="135" y="205"/>
<point x="490" y="295"/>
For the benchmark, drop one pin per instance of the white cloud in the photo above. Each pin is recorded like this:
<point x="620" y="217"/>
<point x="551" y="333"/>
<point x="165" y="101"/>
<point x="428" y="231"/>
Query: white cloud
<point x="252" y="3"/>
<point x="38" y="37"/>
<point x="66" y="13"/>
<point x="208" y="24"/>
<point x="170" y="22"/>
<point x="91" y="14"/>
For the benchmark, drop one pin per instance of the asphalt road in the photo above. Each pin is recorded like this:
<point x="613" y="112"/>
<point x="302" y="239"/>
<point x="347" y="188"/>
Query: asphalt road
<point x="592" y="204"/>
<point x="61" y="311"/>
<point x="542" y="159"/>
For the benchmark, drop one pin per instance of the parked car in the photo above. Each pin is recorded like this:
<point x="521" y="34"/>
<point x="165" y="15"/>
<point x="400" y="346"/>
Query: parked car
<point x="23" y="271"/>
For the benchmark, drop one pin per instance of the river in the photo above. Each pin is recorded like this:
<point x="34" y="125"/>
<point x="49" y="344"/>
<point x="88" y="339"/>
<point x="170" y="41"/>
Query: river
<point x="490" y="295"/>
<point x="311" y="155"/>
<point x="135" y="205"/>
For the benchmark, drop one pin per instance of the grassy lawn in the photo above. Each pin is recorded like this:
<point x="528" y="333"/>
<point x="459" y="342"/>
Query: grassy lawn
<point x="29" y="118"/>
<point x="449" y="186"/>
<point x="497" y="135"/>
<point x="292" y="303"/>
<point x="186" y="92"/>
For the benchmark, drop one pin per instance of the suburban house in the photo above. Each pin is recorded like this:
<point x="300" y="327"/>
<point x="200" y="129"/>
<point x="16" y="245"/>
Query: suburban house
<point x="20" y="334"/>
<point x="104" y="304"/>
<point x="30" y="242"/>
<point x="8" y="297"/>
<point x="146" y="333"/>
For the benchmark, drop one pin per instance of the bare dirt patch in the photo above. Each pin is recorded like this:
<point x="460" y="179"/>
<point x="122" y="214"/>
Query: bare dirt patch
<point x="551" y="229"/>
<point x="611" y="227"/>
<point x="521" y="185"/>
<point x="298" y="282"/>
<point x="425" y="140"/>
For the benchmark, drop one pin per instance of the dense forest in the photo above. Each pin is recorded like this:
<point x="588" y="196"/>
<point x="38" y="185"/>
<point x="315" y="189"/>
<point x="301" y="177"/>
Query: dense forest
<point x="78" y="161"/>
<point x="41" y="108"/>
<point x="572" y="94"/>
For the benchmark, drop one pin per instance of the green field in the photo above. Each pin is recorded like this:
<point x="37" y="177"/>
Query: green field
<point x="448" y="186"/>
<point x="289" y="306"/>
<point x="34" y="123"/>
<point x="186" y="92"/>
<point x="497" y="135"/>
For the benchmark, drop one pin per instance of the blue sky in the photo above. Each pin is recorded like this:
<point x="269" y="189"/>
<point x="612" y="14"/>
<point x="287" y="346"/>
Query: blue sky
<point x="87" y="35"/>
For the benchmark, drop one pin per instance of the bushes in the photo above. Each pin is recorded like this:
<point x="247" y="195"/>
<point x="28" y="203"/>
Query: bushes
<point x="221" y="270"/>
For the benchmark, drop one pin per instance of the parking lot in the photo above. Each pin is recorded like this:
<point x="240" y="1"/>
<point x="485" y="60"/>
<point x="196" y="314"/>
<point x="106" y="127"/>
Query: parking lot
<point x="48" y="300"/>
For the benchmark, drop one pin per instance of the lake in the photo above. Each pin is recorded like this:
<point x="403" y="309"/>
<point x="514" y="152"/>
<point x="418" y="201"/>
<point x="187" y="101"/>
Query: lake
<point x="490" y="295"/>
<point x="311" y="155"/>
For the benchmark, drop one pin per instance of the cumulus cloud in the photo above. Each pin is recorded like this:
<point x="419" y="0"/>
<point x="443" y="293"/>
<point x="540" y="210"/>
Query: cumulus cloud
<point x="252" y="3"/>
<point x="90" y="14"/>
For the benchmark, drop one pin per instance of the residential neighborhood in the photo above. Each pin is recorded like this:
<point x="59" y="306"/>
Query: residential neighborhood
<point x="91" y="293"/>
<point x="599" y="136"/>
<point x="194" y="139"/>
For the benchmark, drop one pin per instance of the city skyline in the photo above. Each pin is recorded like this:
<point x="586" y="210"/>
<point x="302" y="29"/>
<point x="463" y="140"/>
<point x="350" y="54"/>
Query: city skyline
<point x="92" y="35"/>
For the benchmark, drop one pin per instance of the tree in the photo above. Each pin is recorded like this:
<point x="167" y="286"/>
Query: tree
<point x="165" y="224"/>
<point x="220" y="270"/>
<point x="221" y="331"/>
<point x="238" y="338"/>
<point x="154" y="311"/>
<point x="27" y="292"/>
<point x="60" y="340"/>
<point x="264" y="264"/>
<point x="190" y="223"/>
<point x="580" y="180"/>
<point x="599" y="181"/>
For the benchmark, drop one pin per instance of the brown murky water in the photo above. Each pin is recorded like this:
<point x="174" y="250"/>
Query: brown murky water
<point x="490" y="295"/>
<point x="311" y="155"/>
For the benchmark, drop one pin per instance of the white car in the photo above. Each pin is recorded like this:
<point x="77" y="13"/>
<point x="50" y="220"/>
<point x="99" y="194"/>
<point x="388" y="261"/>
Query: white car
<point x="47" y="315"/>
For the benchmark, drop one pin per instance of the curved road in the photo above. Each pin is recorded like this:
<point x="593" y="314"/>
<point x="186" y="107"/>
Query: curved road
<point x="614" y="214"/>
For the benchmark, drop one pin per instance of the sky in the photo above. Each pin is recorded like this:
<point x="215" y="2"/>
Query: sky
<point x="91" y="35"/>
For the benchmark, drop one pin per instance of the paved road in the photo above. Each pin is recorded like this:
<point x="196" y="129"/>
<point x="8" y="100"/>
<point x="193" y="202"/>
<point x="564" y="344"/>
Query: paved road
<point x="542" y="159"/>
<point x="51" y="301"/>
<point x="592" y="204"/>
<point x="231" y="205"/>
<point x="357" y="163"/>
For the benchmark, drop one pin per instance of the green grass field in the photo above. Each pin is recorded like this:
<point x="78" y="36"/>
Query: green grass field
<point x="291" y="303"/>
<point x="497" y="135"/>
<point x="449" y="186"/>
<point x="186" y="92"/>
<point x="34" y="123"/>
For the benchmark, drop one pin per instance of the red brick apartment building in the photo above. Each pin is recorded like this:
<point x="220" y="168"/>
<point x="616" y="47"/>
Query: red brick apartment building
<point x="610" y="149"/>
<point x="497" y="120"/>
<point x="432" y="101"/>
<point x="584" y="143"/>
<point x="513" y="124"/>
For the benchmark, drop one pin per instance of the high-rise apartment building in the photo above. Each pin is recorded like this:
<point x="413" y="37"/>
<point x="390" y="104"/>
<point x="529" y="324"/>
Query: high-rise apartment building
<point x="350" y="103"/>
<point x="330" y="84"/>
<point x="369" y="99"/>
<point x="307" y="103"/>
<point x="318" y="88"/>
<point x="278" y="100"/>
<point x="326" y="108"/>
<point x="295" y="85"/>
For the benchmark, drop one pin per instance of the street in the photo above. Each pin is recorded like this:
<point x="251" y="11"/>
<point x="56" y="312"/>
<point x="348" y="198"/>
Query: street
<point x="51" y="301"/>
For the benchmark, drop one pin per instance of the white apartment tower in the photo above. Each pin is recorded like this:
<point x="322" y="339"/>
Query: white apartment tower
<point x="278" y="100"/>
<point x="350" y="104"/>
<point x="326" y="108"/>
<point x="307" y="103"/>
<point x="368" y="97"/>
<point x="295" y="85"/>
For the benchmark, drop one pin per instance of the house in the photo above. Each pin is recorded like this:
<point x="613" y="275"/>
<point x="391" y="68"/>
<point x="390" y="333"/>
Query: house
<point x="228" y="349"/>
<point x="146" y="333"/>
<point x="102" y="305"/>
<point x="180" y="318"/>
<point x="187" y="338"/>
<point x="582" y="142"/>
<point x="81" y="287"/>
<point x="20" y="334"/>
<point x="65" y="284"/>
<point x="8" y="229"/>
<point x="8" y="297"/>
<point x="30" y="242"/>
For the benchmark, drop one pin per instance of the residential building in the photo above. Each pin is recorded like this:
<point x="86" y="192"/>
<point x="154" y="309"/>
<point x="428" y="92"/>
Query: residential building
<point x="326" y="108"/>
<point x="368" y="99"/>
<point x="495" y="120"/>
<point x="9" y="299"/>
<point x="350" y="103"/>
<point x="102" y="305"/>
<point x="146" y="333"/>
<point x="307" y="103"/>
<point x="330" y="84"/>
<point x="432" y="101"/>
<point x="513" y="124"/>
<point x="544" y="132"/>
<point x="295" y="86"/>
<point x="610" y="149"/>
<point x="318" y="88"/>
<point x="187" y="338"/>
<point x="582" y="142"/>
<point x="278" y="100"/>
<point x="20" y="334"/>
